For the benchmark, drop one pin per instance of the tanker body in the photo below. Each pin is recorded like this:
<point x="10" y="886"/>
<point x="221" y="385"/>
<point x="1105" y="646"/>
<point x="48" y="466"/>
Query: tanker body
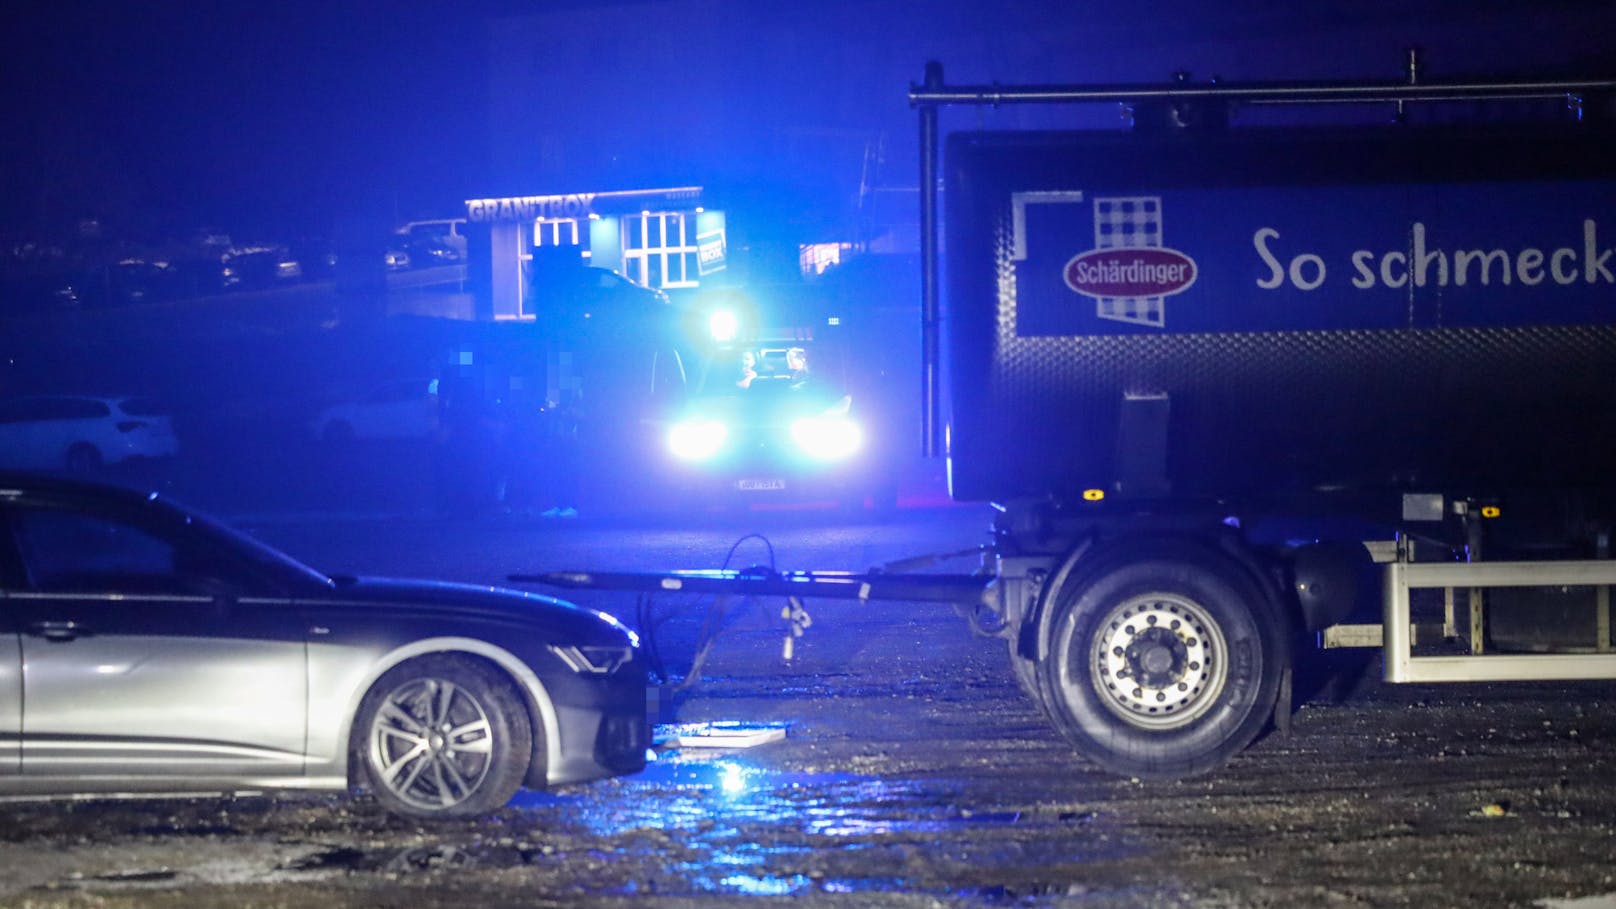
<point x="1251" y="315"/>
<point x="1238" y="393"/>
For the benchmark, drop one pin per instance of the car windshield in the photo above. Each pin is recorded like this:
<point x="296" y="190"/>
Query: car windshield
<point x="769" y="368"/>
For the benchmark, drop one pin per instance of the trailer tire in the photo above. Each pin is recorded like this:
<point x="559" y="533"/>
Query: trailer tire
<point x="1163" y="664"/>
<point x="1026" y="673"/>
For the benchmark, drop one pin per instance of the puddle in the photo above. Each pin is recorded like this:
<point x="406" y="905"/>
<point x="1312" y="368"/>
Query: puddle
<point x="750" y="821"/>
<point x="696" y="791"/>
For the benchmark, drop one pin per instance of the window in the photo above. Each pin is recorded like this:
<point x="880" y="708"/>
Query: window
<point x="555" y="232"/>
<point x="659" y="249"/>
<point x="74" y="552"/>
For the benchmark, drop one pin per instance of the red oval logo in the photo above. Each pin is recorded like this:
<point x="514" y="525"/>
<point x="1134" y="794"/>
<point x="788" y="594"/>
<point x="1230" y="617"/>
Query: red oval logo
<point x="1130" y="272"/>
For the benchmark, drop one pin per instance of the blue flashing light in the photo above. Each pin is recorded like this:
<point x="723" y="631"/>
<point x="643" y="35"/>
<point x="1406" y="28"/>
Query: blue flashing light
<point x="697" y="440"/>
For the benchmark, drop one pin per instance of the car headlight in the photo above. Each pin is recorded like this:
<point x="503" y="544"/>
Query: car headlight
<point x="697" y="440"/>
<point x="723" y="325"/>
<point x="827" y="438"/>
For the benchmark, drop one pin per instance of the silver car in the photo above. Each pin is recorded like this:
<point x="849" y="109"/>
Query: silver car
<point x="147" y="649"/>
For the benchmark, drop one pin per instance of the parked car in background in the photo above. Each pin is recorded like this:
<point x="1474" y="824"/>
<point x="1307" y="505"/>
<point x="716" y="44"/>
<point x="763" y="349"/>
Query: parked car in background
<point x="315" y="256"/>
<point x="402" y="409"/>
<point x="565" y="294"/>
<point x="82" y="433"/>
<point x="38" y="292"/>
<point x="429" y="251"/>
<point x="259" y="266"/>
<point x="133" y="281"/>
<point x="446" y="232"/>
<point x="147" y="648"/>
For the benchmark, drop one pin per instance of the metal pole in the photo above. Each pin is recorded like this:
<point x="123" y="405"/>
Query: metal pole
<point x="931" y="441"/>
<point x="1257" y="93"/>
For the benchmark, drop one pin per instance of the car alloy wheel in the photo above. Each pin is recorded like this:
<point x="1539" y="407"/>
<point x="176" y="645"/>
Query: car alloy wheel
<point x="445" y="738"/>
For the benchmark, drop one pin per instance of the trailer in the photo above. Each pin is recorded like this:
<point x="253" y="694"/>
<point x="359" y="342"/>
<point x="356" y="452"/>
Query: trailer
<point x="1243" y="393"/>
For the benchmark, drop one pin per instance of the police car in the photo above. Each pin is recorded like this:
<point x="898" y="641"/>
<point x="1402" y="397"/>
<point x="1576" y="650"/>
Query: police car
<point x="773" y="419"/>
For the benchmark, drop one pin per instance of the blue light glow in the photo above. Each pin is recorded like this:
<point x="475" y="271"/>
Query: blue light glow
<point x="766" y="886"/>
<point x="827" y="438"/>
<point x="732" y="778"/>
<point x="697" y="440"/>
<point x="723" y="325"/>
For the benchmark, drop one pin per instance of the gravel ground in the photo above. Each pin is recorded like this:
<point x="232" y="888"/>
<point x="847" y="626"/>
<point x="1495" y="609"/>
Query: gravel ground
<point x="913" y="773"/>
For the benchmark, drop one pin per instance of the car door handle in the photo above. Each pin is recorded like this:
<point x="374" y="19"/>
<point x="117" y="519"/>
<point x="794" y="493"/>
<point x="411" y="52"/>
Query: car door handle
<point x="57" y="631"/>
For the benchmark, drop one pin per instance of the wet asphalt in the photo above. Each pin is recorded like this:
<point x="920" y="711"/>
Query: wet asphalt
<point x="911" y="771"/>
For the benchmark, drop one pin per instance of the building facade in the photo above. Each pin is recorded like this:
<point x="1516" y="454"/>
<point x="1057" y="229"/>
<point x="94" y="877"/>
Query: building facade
<point x="660" y="238"/>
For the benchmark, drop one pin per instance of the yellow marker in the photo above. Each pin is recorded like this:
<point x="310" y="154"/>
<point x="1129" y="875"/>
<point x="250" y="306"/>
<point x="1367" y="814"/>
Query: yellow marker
<point x="1093" y="495"/>
<point x="1490" y="511"/>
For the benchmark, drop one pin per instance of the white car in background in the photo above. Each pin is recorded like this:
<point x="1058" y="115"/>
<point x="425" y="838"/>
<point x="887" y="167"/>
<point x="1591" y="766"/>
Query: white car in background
<point x="400" y="410"/>
<point x="82" y="433"/>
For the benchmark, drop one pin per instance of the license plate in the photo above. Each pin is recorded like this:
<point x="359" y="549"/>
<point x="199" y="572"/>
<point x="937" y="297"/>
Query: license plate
<point x="759" y="485"/>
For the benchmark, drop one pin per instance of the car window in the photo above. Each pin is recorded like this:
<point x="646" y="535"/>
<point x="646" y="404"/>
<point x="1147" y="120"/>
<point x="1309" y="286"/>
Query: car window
<point x="73" y="552"/>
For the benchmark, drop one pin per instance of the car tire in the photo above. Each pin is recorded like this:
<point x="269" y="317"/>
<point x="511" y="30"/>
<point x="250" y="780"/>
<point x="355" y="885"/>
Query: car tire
<point x="1163" y="664"/>
<point x="443" y="737"/>
<point x="83" y="458"/>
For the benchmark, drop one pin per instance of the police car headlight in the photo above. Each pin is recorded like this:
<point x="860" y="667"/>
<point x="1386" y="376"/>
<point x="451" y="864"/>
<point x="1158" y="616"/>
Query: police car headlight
<point x="827" y="438"/>
<point x="697" y="440"/>
<point x="723" y="325"/>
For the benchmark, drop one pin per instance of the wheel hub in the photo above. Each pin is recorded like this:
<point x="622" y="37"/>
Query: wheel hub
<point x="1158" y="661"/>
<point x="431" y="745"/>
<point x="1156" y="658"/>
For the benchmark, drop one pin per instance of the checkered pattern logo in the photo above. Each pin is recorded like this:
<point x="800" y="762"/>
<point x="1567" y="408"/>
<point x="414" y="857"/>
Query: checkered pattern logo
<point x="1130" y="222"/>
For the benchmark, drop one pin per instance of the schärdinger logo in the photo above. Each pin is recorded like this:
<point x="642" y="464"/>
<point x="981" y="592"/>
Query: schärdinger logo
<point x="1129" y="272"/>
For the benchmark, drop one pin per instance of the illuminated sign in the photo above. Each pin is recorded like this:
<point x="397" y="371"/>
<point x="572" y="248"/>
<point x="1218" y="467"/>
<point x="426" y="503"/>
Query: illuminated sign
<point x="572" y="205"/>
<point x="531" y="208"/>
<point x="710" y="252"/>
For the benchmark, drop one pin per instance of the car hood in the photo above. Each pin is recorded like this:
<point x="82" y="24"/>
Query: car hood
<point x="766" y="407"/>
<point x="472" y="601"/>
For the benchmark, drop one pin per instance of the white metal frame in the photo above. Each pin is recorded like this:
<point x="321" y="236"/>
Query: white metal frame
<point x="665" y="236"/>
<point x="1402" y="666"/>
<point x="549" y="232"/>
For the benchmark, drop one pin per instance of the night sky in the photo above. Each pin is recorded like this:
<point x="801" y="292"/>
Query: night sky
<point x="163" y="116"/>
<point x="274" y="118"/>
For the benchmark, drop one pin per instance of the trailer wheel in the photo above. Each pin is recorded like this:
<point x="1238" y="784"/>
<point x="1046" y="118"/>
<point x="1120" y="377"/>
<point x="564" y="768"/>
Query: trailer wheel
<point x="1026" y="673"/>
<point x="1163" y="666"/>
